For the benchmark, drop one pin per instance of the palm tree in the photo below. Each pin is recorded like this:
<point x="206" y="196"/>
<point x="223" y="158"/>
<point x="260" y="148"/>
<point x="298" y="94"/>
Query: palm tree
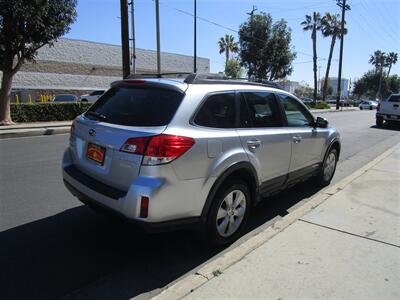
<point x="391" y="60"/>
<point x="331" y="26"/>
<point x="227" y="44"/>
<point x="380" y="61"/>
<point x="313" y="24"/>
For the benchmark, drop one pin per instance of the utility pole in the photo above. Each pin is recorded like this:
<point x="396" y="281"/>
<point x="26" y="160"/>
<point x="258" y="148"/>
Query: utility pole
<point x="319" y="79"/>
<point x="158" y="37"/>
<point x="133" y="39"/>
<point x="251" y="14"/>
<point x="125" y="38"/>
<point x="195" y="37"/>
<point x="342" y="4"/>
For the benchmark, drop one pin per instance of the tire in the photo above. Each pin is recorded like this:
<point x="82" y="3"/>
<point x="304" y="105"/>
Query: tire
<point x="328" y="168"/>
<point x="235" y="218"/>
<point x="370" y="108"/>
<point x="84" y="100"/>
<point x="361" y="108"/>
<point x="379" y="122"/>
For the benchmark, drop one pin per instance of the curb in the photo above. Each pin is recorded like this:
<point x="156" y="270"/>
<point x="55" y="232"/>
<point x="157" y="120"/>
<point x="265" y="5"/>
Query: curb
<point x="28" y="132"/>
<point x="184" y="286"/>
<point x="322" y="111"/>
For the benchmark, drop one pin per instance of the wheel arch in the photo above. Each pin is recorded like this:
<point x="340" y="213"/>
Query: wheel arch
<point x="243" y="171"/>
<point x="335" y="144"/>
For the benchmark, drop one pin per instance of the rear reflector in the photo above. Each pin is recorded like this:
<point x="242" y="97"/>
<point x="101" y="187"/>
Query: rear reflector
<point x="144" y="207"/>
<point x="158" y="149"/>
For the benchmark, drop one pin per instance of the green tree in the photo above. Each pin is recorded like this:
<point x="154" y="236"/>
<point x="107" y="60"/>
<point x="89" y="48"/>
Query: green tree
<point x="369" y="82"/>
<point x="391" y="60"/>
<point x="228" y="45"/>
<point x="304" y="90"/>
<point x="331" y="27"/>
<point x="25" y="27"/>
<point x="313" y="24"/>
<point x="265" y="49"/>
<point x="233" y="68"/>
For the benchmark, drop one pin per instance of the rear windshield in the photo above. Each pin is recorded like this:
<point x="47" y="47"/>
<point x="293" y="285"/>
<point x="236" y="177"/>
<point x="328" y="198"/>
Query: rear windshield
<point x="394" y="98"/>
<point x="137" y="106"/>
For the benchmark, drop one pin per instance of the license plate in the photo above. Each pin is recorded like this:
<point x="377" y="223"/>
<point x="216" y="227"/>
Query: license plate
<point x="96" y="153"/>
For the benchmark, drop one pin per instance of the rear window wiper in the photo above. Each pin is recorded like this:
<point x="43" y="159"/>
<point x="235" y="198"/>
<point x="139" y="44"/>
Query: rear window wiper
<point x="97" y="115"/>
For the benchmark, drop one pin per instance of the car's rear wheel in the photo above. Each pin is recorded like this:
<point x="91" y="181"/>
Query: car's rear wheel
<point x="328" y="168"/>
<point x="379" y="122"/>
<point x="228" y="213"/>
<point x="370" y="108"/>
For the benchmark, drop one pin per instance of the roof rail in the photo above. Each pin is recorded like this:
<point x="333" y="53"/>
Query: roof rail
<point x="202" y="78"/>
<point x="158" y="75"/>
<point x="220" y="79"/>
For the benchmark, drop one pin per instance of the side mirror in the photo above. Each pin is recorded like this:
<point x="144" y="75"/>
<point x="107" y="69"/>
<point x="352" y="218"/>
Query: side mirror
<point x="321" y="122"/>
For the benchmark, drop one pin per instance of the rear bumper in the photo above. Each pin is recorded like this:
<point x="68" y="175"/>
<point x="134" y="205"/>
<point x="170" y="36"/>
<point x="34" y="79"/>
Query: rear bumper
<point x="388" y="117"/>
<point x="151" y="227"/>
<point x="172" y="202"/>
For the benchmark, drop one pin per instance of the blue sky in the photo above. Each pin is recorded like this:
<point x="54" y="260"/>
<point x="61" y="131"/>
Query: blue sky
<point x="372" y="24"/>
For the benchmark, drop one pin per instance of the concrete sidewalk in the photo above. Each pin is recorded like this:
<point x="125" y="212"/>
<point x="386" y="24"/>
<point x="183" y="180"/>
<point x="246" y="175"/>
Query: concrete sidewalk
<point x="347" y="247"/>
<point x="34" y="129"/>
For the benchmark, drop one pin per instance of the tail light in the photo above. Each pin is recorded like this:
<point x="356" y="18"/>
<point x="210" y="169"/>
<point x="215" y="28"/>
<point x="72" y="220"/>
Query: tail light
<point x="144" y="207"/>
<point x="158" y="149"/>
<point x="379" y="106"/>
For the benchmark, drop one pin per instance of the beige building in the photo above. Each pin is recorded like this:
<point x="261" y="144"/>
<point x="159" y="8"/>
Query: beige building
<point x="78" y="67"/>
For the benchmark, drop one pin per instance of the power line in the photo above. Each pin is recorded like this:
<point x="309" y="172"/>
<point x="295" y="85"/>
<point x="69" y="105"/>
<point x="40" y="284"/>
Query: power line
<point x="228" y="28"/>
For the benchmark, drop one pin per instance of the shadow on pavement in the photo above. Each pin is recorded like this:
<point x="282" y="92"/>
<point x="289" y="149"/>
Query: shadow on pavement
<point x="387" y="127"/>
<point x="86" y="256"/>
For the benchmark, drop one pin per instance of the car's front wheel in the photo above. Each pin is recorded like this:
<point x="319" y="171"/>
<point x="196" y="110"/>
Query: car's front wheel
<point x="328" y="168"/>
<point x="228" y="213"/>
<point x="361" y="108"/>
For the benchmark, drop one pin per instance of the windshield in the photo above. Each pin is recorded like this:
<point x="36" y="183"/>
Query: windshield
<point x="136" y="106"/>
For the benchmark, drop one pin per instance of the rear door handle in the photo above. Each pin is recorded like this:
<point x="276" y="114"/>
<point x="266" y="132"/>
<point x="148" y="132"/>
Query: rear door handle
<point x="296" y="139"/>
<point x="253" y="144"/>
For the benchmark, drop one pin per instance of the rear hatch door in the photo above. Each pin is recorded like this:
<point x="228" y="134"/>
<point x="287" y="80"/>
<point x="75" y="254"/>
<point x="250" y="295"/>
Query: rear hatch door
<point x="125" y="111"/>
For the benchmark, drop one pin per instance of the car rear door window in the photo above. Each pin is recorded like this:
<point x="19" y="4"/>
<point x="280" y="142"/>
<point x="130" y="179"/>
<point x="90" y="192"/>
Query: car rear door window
<point x="218" y="111"/>
<point x="296" y="114"/>
<point x="260" y="110"/>
<point x="394" y="98"/>
<point x="137" y="106"/>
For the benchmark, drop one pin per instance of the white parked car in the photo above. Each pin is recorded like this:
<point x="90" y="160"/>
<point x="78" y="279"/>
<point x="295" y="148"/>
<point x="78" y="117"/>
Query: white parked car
<point x="388" y="110"/>
<point x="368" y="104"/>
<point x="92" y="97"/>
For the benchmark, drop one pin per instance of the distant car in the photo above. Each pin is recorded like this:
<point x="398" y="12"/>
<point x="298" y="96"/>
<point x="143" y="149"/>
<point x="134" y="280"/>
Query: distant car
<point x="65" y="98"/>
<point x="307" y="100"/>
<point x="388" y="110"/>
<point x="368" y="104"/>
<point x="92" y="97"/>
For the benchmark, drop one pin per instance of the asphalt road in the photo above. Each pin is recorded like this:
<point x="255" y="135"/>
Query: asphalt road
<point x="53" y="247"/>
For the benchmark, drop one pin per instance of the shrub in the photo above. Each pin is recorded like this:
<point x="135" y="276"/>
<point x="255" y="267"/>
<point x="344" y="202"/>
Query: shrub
<point x="320" y="105"/>
<point x="47" y="111"/>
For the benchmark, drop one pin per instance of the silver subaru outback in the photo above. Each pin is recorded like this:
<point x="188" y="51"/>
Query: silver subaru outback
<point x="168" y="152"/>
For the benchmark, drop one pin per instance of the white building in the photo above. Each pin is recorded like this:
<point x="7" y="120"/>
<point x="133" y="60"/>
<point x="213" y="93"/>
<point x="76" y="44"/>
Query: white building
<point x="344" y="86"/>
